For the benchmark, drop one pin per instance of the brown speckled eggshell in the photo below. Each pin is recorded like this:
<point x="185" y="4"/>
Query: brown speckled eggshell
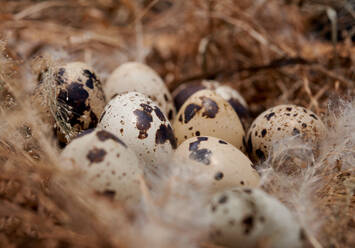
<point x="251" y="217"/>
<point x="224" y="165"/>
<point x="140" y="123"/>
<point x="281" y="122"/>
<point x="232" y="96"/>
<point x="207" y="114"/>
<point x="134" y="76"/>
<point x="109" y="166"/>
<point x="79" y="97"/>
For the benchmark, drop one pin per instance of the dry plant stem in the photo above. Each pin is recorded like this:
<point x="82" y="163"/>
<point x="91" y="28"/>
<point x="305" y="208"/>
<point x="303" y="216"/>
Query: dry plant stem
<point x="38" y="8"/>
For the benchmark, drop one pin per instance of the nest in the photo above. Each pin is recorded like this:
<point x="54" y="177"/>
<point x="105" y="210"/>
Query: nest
<point x="272" y="52"/>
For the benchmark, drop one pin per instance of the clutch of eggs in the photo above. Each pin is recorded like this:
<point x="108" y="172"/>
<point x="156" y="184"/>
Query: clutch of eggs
<point x="207" y="114"/>
<point x="245" y="217"/>
<point x="140" y="123"/>
<point x="224" y="165"/>
<point x="134" y="76"/>
<point x="109" y="166"/>
<point x="78" y="98"/>
<point x="280" y="122"/>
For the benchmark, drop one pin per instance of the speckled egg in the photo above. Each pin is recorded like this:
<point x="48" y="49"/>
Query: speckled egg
<point x="79" y="98"/>
<point x="140" y="123"/>
<point x="224" y="165"/>
<point x="281" y="122"/>
<point x="254" y="219"/>
<point x="207" y="114"/>
<point x="110" y="167"/>
<point x="184" y="91"/>
<point x="134" y="76"/>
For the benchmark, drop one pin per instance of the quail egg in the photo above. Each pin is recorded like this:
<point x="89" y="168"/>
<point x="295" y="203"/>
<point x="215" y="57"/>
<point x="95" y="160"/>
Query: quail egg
<point x="78" y="98"/>
<point x="183" y="92"/>
<point x="110" y="167"/>
<point x="134" y="76"/>
<point x="140" y="123"/>
<point x="223" y="164"/>
<point x="207" y="114"/>
<point x="281" y="122"/>
<point x="244" y="217"/>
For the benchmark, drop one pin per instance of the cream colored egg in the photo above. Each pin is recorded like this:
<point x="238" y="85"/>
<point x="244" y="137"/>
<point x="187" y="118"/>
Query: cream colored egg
<point x="232" y="96"/>
<point x="74" y="96"/>
<point x="109" y="166"/>
<point x="207" y="114"/>
<point x="139" y="122"/>
<point x="254" y="219"/>
<point x="280" y="122"/>
<point x="134" y="76"/>
<point x="224" y="165"/>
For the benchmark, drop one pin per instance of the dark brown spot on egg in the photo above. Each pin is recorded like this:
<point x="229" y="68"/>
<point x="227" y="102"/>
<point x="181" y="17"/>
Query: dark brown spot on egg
<point x="295" y="131"/>
<point x="210" y="107"/>
<point x="143" y="122"/>
<point x="259" y="153"/>
<point x="242" y="183"/>
<point x="103" y="135"/>
<point x="263" y="133"/>
<point x="96" y="155"/>
<point x="170" y="114"/>
<point x="198" y="133"/>
<point x="241" y="111"/>
<point x="109" y="194"/>
<point x="93" y="120"/>
<point x="218" y="176"/>
<point x="223" y="199"/>
<point x="268" y="116"/>
<point x="185" y="93"/>
<point x="248" y="223"/>
<point x="165" y="133"/>
<point x="304" y="125"/>
<point x="85" y="132"/>
<point x="248" y="191"/>
<point x="201" y="155"/>
<point x="146" y="108"/>
<point x="91" y="78"/>
<point x="303" y="235"/>
<point x="180" y="118"/>
<point x="222" y="142"/>
<point x="190" y="111"/>
<point x="190" y="128"/>
<point x="213" y="208"/>
<point x="166" y="97"/>
<point x="74" y="96"/>
<point x="159" y="114"/>
<point x="60" y="76"/>
<point x="288" y="108"/>
<point x="313" y="116"/>
<point x="193" y="146"/>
